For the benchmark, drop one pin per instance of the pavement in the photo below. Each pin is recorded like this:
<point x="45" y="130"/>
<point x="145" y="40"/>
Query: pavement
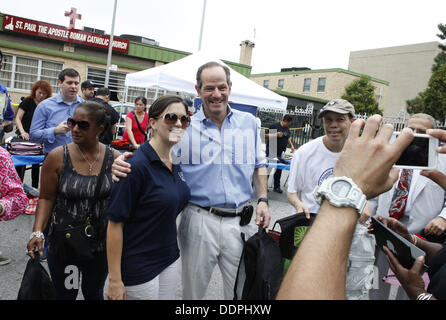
<point x="14" y="236"/>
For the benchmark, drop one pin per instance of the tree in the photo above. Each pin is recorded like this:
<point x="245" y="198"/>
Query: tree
<point x="419" y="104"/>
<point x="415" y="105"/>
<point x="441" y="56"/>
<point x="434" y="97"/>
<point x="361" y="93"/>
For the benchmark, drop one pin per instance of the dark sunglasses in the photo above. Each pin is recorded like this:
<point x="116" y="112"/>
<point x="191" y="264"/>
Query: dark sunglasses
<point x="172" y="118"/>
<point x="71" y="123"/>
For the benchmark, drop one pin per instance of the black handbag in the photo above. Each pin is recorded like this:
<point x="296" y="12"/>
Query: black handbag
<point x="73" y="242"/>
<point x="36" y="283"/>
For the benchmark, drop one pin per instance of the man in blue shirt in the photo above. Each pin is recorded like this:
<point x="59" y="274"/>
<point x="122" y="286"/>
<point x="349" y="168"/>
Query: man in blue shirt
<point x="221" y="158"/>
<point x="49" y="124"/>
<point x="6" y="112"/>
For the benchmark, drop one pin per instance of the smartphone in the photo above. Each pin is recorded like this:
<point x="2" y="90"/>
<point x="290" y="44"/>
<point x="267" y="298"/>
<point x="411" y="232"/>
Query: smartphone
<point x="420" y="154"/>
<point x="405" y="251"/>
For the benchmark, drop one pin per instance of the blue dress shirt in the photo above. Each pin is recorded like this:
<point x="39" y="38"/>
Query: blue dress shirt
<point x="219" y="164"/>
<point x="47" y="116"/>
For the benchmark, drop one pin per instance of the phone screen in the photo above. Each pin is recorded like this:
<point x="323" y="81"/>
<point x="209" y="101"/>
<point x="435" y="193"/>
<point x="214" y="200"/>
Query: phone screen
<point x="416" y="154"/>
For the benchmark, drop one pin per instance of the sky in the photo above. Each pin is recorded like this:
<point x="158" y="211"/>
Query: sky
<point x="317" y="34"/>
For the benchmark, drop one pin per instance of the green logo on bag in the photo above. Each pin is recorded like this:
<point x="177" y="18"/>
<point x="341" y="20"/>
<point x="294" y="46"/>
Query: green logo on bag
<point x="299" y="233"/>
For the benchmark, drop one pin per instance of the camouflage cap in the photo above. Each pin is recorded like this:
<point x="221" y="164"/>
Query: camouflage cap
<point x="339" y="106"/>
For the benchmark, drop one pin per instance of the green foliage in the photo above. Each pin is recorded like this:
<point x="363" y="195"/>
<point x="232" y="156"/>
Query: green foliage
<point x="361" y="93"/>
<point x="434" y="97"/>
<point x="432" y="100"/>
<point x="415" y="105"/>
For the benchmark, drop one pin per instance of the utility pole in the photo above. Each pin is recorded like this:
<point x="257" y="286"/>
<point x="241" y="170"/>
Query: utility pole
<point x="110" y="47"/>
<point x="202" y="24"/>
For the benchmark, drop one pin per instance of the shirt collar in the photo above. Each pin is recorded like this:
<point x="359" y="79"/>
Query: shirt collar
<point x="200" y="116"/>
<point x="59" y="99"/>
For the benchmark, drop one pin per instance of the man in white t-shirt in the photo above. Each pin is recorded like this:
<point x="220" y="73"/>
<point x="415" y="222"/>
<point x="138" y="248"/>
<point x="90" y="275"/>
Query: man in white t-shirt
<point x="313" y="163"/>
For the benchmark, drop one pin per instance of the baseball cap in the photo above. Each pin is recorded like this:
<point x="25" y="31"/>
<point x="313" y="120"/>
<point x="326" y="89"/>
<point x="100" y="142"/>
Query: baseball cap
<point x="339" y="106"/>
<point x="87" y="84"/>
<point x="103" y="91"/>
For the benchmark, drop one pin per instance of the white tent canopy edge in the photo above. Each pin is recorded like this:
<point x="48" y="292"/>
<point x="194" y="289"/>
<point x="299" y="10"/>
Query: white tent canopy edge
<point x="179" y="76"/>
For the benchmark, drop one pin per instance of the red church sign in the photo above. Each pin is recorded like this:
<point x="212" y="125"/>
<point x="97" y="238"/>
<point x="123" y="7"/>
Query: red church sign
<point x="46" y="30"/>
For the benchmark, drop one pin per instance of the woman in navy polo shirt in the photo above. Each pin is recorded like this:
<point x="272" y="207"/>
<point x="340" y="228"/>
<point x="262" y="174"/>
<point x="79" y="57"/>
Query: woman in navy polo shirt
<point x="142" y="249"/>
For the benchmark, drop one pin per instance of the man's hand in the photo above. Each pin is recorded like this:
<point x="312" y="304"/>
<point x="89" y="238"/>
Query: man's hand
<point x="7" y="126"/>
<point x="368" y="158"/>
<point x="120" y="168"/>
<point x="411" y="280"/>
<point x="262" y="214"/>
<point x="394" y="225"/>
<point x="61" y="128"/>
<point x="436" y="226"/>
<point x="436" y="176"/>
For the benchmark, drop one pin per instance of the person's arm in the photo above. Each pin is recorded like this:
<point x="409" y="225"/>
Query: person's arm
<point x="260" y="180"/>
<point x="116" y="288"/>
<point x="39" y="132"/>
<point x="294" y="200"/>
<point x="318" y="270"/>
<point x="128" y="128"/>
<point x="13" y="200"/>
<point x="18" y="122"/>
<point x="51" y="170"/>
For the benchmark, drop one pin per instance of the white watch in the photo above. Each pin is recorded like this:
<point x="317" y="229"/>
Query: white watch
<point x="341" y="192"/>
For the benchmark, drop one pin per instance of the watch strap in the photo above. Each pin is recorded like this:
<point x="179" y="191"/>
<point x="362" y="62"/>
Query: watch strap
<point x="263" y="200"/>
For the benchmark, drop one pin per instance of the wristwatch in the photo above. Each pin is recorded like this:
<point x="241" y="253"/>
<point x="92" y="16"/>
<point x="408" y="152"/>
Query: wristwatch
<point x="341" y="192"/>
<point x="263" y="200"/>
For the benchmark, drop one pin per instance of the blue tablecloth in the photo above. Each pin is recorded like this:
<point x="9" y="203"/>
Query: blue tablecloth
<point x="26" y="160"/>
<point x="278" y="165"/>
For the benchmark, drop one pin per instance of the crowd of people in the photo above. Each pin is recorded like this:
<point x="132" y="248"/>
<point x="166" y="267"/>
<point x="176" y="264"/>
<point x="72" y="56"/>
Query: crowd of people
<point x="177" y="205"/>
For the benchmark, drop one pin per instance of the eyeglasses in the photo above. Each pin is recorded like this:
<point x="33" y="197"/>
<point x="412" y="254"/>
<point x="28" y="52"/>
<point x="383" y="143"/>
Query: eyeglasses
<point x="71" y="123"/>
<point x="172" y="118"/>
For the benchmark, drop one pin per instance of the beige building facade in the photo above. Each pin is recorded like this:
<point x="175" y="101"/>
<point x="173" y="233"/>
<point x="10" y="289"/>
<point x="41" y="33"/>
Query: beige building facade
<point x="324" y="84"/>
<point x="407" y="69"/>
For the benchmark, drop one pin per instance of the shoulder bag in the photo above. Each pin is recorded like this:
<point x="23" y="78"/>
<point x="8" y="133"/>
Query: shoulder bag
<point x="139" y="126"/>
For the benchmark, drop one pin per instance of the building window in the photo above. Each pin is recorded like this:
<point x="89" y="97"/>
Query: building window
<point x="321" y="84"/>
<point x="116" y="82"/>
<point x="266" y="83"/>
<point x="20" y="72"/>
<point x="307" y="85"/>
<point x="280" y="83"/>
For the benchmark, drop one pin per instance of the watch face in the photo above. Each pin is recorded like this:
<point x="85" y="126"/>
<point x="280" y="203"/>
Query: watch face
<point x="341" y="188"/>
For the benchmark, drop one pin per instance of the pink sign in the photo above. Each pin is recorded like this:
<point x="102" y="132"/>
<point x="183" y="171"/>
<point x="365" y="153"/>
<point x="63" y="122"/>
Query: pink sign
<point x="46" y="30"/>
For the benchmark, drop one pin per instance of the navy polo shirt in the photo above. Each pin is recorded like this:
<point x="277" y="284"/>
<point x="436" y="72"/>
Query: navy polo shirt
<point x="148" y="202"/>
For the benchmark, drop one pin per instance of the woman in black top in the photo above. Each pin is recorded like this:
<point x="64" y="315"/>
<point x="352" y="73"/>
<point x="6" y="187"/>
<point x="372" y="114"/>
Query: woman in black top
<point x="69" y="178"/>
<point x="40" y="91"/>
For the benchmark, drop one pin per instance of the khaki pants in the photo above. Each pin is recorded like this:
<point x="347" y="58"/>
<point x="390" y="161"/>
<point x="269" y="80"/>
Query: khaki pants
<point x="206" y="240"/>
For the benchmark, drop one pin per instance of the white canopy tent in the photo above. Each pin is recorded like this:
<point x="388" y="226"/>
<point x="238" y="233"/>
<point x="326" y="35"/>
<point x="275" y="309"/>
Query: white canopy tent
<point x="180" y="76"/>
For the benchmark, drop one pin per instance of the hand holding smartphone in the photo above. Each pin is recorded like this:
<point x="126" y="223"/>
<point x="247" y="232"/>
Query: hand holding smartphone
<point x="420" y="154"/>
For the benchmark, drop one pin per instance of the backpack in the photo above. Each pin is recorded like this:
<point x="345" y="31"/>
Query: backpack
<point x="292" y="231"/>
<point x="263" y="267"/>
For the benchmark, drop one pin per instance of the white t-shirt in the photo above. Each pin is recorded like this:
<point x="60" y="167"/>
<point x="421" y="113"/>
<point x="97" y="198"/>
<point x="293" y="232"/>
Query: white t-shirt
<point x="312" y="163"/>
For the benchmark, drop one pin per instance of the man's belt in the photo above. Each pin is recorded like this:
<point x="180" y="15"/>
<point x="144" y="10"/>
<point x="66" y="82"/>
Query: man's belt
<point x="244" y="213"/>
<point x="231" y="213"/>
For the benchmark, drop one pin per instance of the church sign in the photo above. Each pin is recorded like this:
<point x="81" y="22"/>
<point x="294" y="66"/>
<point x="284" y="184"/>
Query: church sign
<point x="42" y="29"/>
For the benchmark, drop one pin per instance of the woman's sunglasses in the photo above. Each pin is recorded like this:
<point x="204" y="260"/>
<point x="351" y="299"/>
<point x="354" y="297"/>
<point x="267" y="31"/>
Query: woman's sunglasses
<point x="172" y="118"/>
<point x="71" y="123"/>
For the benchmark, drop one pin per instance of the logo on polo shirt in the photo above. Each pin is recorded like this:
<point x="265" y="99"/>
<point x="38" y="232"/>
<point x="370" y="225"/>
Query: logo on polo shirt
<point x="181" y="175"/>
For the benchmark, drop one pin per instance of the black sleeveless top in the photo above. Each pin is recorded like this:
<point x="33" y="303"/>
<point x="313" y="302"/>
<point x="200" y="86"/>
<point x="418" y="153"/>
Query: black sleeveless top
<point x="75" y="195"/>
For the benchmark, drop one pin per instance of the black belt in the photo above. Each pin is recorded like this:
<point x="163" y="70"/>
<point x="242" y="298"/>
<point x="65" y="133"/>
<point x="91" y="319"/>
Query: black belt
<point x="221" y="213"/>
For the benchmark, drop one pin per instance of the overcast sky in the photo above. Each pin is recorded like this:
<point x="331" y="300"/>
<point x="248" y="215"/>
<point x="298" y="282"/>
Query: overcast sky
<point x="287" y="33"/>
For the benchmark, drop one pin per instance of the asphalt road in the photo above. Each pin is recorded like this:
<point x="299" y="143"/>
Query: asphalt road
<point x="14" y="236"/>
